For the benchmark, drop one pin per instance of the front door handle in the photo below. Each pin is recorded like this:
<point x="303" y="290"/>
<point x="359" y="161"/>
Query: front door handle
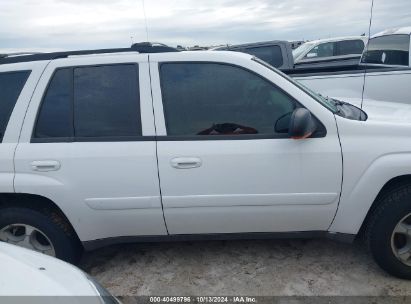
<point x="45" y="165"/>
<point x="186" y="162"/>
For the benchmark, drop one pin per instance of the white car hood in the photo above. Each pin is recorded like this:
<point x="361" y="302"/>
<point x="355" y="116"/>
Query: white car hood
<point x="28" y="273"/>
<point x="382" y="110"/>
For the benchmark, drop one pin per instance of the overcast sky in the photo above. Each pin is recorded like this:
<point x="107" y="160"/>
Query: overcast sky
<point x="77" y="24"/>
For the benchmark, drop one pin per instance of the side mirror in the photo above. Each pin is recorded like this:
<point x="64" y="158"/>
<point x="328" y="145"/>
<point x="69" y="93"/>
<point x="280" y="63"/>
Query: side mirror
<point x="282" y="125"/>
<point x="302" y="124"/>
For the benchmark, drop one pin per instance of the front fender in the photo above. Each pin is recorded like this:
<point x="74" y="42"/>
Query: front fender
<point x="359" y="194"/>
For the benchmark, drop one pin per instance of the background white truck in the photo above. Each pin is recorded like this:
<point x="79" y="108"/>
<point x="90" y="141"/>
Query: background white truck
<point x="340" y="50"/>
<point x="384" y="72"/>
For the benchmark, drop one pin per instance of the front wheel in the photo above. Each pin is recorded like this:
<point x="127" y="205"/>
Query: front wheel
<point x="389" y="232"/>
<point x="48" y="234"/>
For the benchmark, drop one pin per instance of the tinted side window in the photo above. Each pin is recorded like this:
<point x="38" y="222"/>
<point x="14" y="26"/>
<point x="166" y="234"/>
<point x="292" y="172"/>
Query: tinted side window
<point x="218" y="99"/>
<point x="321" y="50"/>
<point x="55" y="117"/>
<point x="106" y="101"/>
<point x="11" y="85"/>
<point x="391" y="50"/>
<point x="349" y="47"/>
<point x="270" y="54"/>
<point x="97" y="102"/>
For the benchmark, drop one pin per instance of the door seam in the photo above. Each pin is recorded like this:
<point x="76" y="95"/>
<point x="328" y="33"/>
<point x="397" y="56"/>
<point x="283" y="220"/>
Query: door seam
<point x="23" y="122"/>
<point x="156" y="143"/>
<point x="342" y="176"/>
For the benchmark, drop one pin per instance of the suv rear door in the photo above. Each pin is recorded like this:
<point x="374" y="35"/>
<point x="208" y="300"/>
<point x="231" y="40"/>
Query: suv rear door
<point x="14" y="97"/>
<point x="88" y="145"/>
<point x="223" y="166"/>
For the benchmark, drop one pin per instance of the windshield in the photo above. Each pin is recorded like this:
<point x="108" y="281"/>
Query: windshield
<point x="301" y="49"/>
<point x="325" y="101"/>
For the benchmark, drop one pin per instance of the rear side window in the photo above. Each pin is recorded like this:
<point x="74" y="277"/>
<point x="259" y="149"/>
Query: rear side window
<point x="390" y="50"/>
<point x="106" y="101"/>
<point x="91" y="103"/>
<point x="349" y="47"/>
<point x="270" y="54"/>
<point x="321" y="50"/>
<point x="55" y="119"/>
<point x="218" y="99"/>
<point x="11" y="85"/>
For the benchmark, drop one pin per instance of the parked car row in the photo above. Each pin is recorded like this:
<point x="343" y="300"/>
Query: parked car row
<point x="383" y="73"/>
<point x="322" y="53"/>
<point x="342" y="67"/>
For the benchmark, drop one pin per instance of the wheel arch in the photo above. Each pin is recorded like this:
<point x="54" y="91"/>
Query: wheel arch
<point x="390" y="185"/>
<point x="362" y="191"/>
<point x="37" y="203"/>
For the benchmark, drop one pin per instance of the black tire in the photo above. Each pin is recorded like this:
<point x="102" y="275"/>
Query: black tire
<point x="64" y="240"/>
<point x="392" y="207"/>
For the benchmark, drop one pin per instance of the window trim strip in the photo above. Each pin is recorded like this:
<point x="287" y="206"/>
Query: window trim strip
<point x="168" y="138"/>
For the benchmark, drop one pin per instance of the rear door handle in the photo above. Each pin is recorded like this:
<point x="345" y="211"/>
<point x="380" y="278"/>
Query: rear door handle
<point x="45" y="165"/>
<point x="186" y="162"/>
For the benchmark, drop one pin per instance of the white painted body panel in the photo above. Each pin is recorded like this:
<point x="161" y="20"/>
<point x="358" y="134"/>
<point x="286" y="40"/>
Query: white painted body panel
<point x="106" y="189"/>
<point x="260" y="185"/>
<point x="266" y="185"/>
<point x="374" y="152"/>
<point x="6" y="167"/>
<point x="29" y="273"/>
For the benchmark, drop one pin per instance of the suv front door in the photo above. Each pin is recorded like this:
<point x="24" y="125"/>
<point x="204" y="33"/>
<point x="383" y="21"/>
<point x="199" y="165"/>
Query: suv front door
<point x="225" y="167"/>
<point x="88" y="145"/>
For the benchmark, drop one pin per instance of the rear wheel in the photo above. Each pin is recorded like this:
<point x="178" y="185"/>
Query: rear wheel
<point x="401" y="240"/>
<point x="28" y="237"/>
<point x="389" y="232"/>
<point x="47" y="233"/>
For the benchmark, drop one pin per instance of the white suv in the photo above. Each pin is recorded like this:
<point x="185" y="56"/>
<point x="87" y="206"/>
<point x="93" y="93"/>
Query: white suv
<point x="142" y="144"/>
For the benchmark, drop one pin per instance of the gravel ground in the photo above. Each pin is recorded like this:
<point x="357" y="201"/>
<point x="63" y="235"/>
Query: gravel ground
<point x="253" y="268"/>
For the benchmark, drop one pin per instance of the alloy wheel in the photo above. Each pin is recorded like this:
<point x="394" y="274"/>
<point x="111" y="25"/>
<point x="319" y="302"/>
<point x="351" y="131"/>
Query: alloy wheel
<point x="28" y="237"/>
<point x="401" y="240"/>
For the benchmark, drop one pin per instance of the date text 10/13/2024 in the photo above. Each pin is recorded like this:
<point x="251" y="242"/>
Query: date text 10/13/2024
<point x="204" y="299"/>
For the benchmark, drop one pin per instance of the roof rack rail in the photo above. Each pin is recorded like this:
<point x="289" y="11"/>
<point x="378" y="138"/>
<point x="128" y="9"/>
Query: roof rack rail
<point x="142" y="47"/>
<point x="18" y="54"/>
